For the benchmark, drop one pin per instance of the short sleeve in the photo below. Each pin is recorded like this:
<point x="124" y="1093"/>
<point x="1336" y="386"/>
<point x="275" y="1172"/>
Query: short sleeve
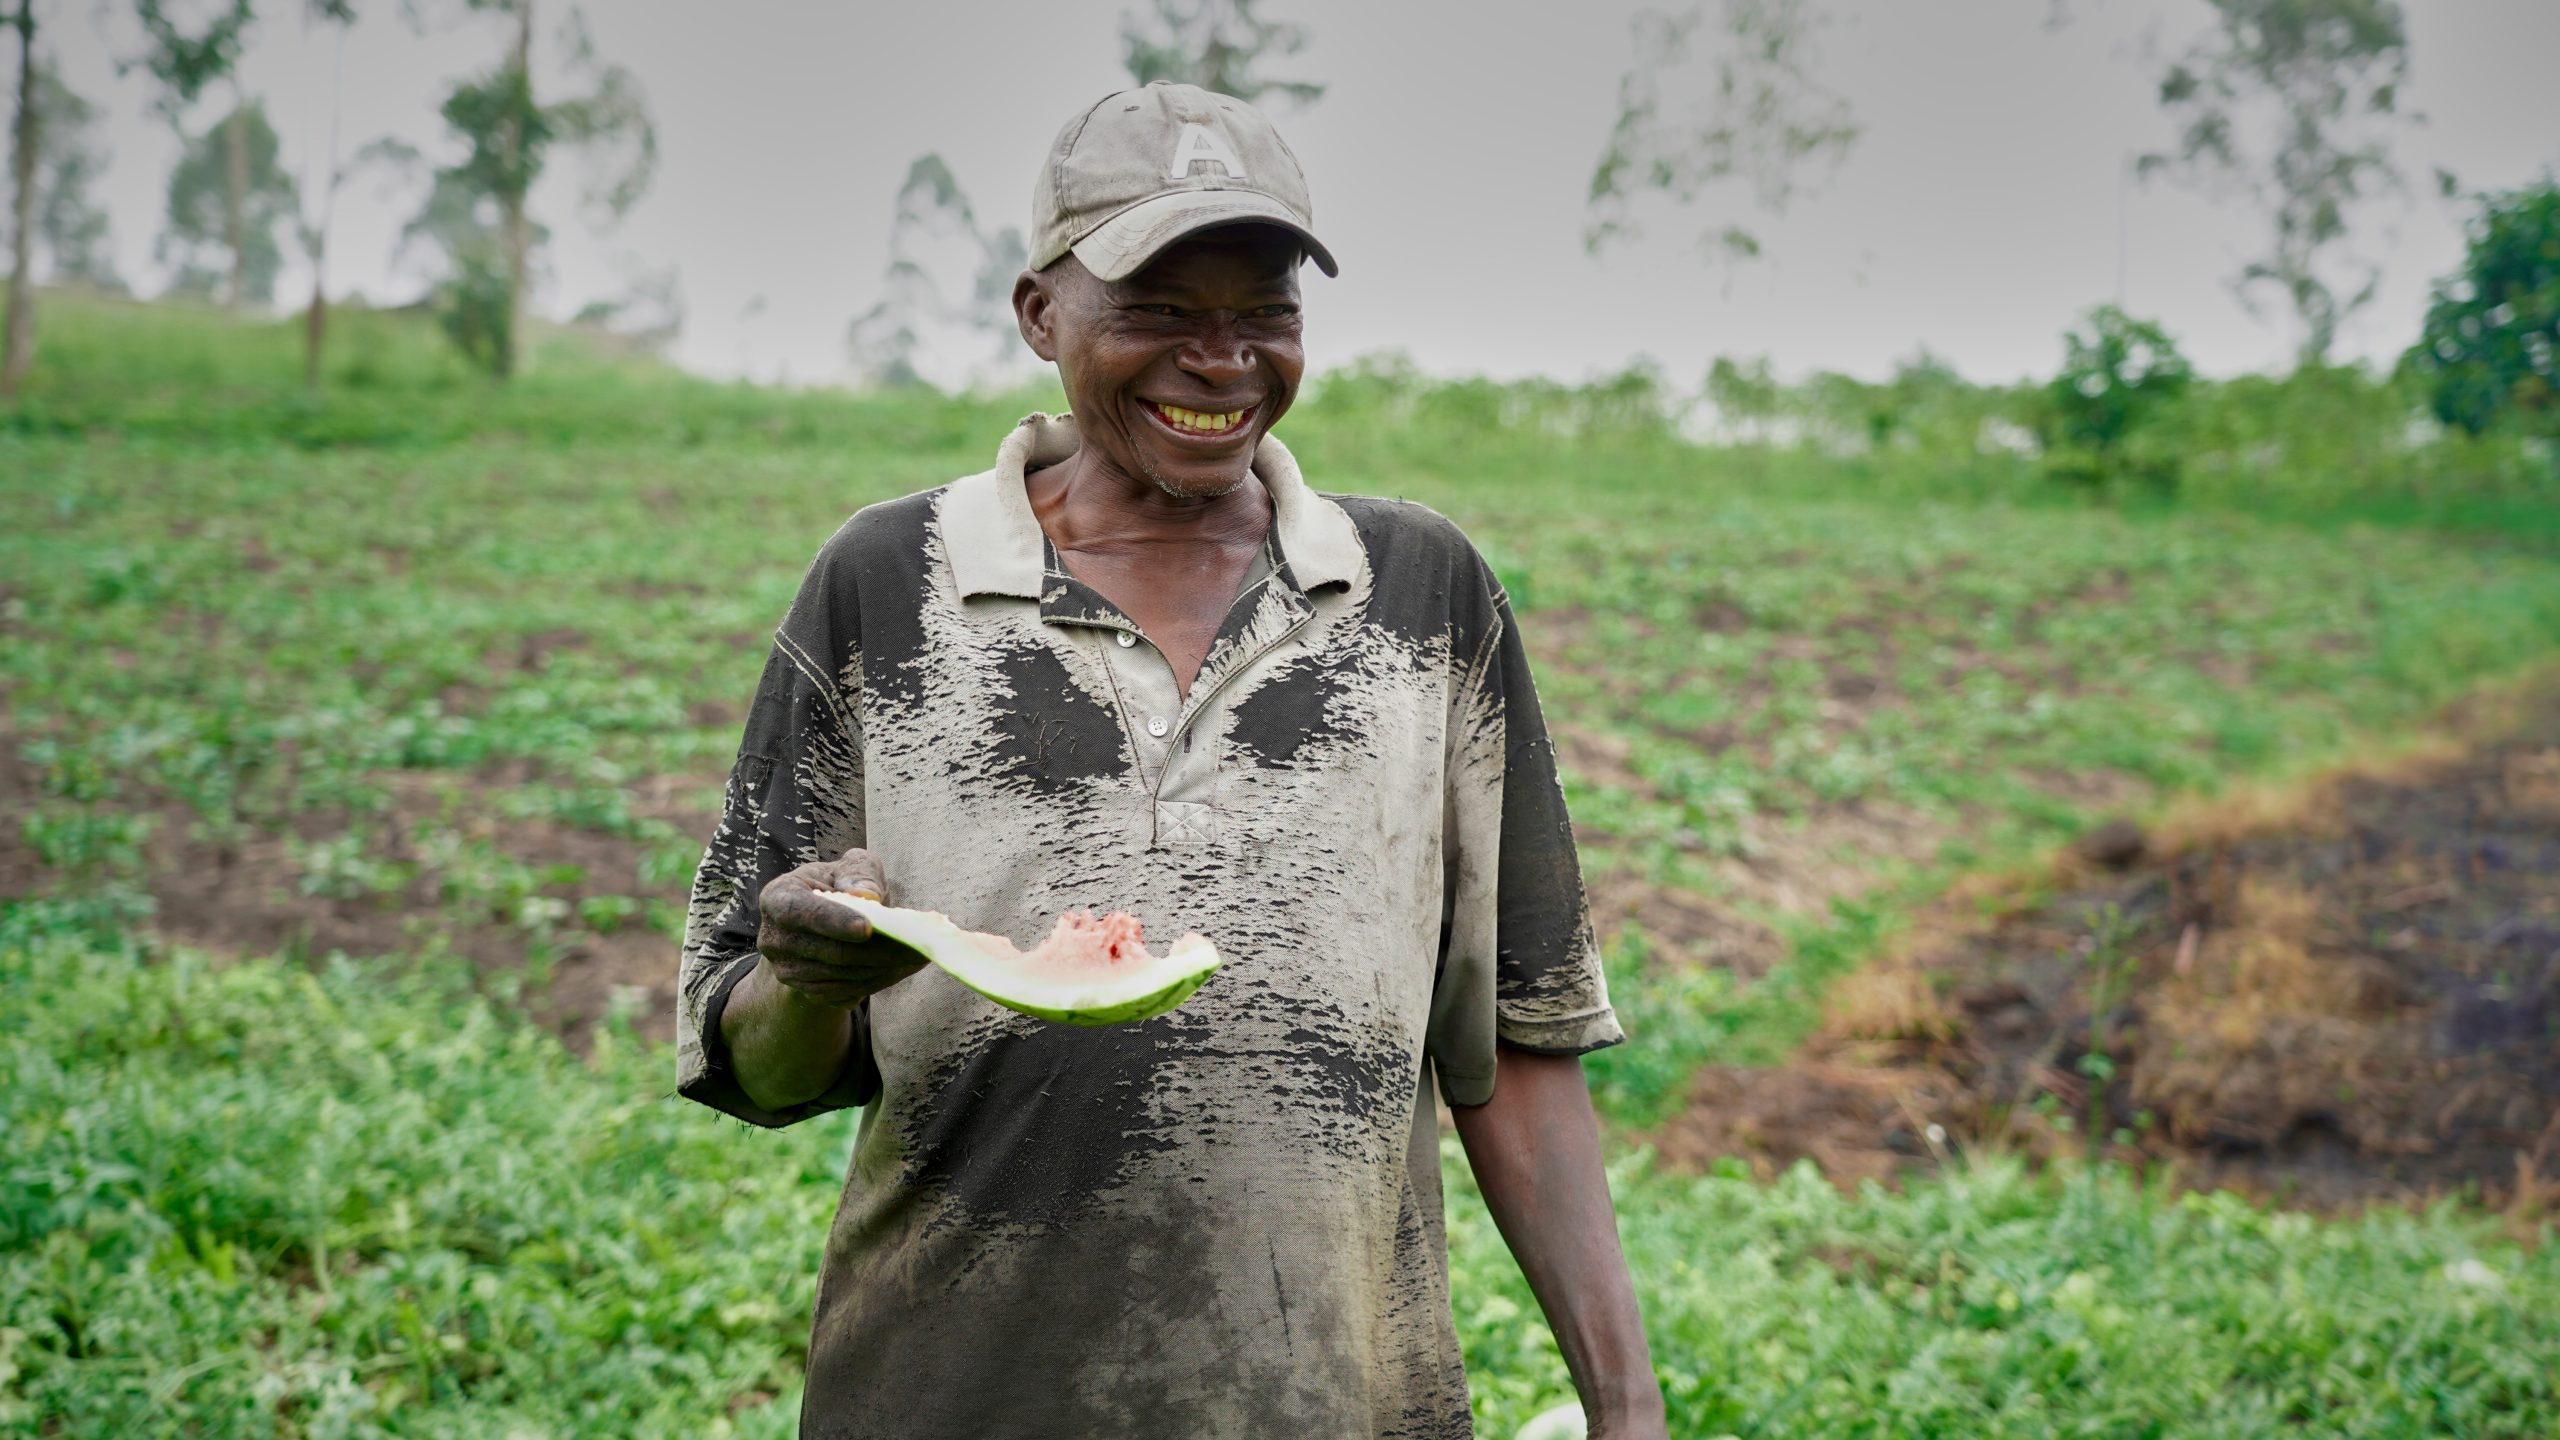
<point x="794" y="796"/>
<point x="1518" y="962"/>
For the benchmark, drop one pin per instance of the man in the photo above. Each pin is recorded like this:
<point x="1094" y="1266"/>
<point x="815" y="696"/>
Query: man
<point x="1139" y="665"/>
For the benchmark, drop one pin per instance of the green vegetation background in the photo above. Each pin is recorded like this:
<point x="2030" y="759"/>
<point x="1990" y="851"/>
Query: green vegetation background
<point x="342" y="1197"/>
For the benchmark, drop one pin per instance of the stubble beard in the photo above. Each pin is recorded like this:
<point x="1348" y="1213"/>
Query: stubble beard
<point x="1186" y="492"/>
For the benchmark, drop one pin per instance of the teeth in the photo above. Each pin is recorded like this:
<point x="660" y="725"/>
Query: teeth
<point x="1197" y="420"/>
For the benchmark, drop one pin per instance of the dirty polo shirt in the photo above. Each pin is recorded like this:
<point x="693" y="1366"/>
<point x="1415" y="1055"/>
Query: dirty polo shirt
<point x="1225" y="1221"/>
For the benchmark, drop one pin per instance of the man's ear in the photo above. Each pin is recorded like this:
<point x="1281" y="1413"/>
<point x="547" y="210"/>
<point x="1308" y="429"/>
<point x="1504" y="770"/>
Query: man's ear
<point x="1034" y="311"/>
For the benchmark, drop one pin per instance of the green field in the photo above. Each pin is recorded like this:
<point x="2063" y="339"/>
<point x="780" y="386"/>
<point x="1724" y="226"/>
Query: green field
<point x="447" y="678"/>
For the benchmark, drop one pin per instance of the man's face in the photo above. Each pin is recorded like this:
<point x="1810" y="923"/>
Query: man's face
<point x="1176" y="372"/>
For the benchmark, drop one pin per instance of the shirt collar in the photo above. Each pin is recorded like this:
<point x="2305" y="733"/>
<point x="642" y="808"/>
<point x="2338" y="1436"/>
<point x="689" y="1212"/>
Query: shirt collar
<point x="997" y="548"/>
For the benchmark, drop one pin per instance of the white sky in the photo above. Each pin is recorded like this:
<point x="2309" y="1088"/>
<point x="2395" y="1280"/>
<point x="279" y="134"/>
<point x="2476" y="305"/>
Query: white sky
<point x="1980" y="213"/>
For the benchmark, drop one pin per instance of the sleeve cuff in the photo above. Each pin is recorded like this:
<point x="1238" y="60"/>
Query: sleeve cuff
<point x="715" y="1083"/>
<point x="1569" y="1035"/>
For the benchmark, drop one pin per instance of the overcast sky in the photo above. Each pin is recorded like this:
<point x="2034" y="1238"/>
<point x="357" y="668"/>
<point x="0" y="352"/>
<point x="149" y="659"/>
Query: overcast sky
<point x="1982" y="210"/>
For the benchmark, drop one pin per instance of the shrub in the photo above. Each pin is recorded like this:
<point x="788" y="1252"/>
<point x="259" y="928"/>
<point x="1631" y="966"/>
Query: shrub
<point x="2490" y="347"/>
<point x="2117" y="376"/>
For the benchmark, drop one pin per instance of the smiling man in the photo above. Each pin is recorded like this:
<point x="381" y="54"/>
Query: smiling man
<point x="1139" y="665"/>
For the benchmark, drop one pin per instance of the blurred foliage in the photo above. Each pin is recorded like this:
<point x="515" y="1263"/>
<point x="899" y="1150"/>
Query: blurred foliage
<point x="475" y="211"/>
<point x="190" y="46"/>
<point x="70" y="227"/>
<point x="2292" y="104"/>
<point x="1759" y="115"/>
<point x="1218" y="45"/>
<point x="2490" y="348"/>
<point x="477" y="311"/>
<point x="945" y="311"/>
<point x="219" y="200"/>
<point x="2118" y="375"/>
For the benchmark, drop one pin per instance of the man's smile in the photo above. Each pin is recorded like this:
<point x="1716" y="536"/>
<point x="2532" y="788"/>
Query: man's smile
<point x="1199" y="424"/>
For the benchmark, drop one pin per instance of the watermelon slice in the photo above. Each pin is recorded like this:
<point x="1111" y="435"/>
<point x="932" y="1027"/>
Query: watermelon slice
<point x="1092" y="970"/>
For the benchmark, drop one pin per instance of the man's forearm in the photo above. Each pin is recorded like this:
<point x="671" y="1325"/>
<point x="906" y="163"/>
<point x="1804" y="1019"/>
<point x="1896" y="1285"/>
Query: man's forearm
<point x="785" y="1048"/>
<point x="1535" y="1150"/>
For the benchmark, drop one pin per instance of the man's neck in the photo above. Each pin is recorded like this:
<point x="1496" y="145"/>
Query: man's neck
<point x="1089" y="506"/>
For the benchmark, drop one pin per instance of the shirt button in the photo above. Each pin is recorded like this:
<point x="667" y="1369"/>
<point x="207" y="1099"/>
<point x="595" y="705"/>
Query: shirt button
<point x="1156" y="726"/>
<point x="1125" y="638"/>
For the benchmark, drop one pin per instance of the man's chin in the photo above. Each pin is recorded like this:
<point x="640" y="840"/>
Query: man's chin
<point x="1200" y="488"/>
<point x="1199" y="482"/>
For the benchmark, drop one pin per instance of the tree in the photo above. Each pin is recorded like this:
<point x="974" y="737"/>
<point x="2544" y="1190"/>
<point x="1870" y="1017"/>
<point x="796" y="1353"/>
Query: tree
<point x="946" y="312"/>
<point x="26" y="132"/>
<point x="313" y="230"/>
<point x="228" y="196"/>
<point x="69" y="157"/>
<point x="1758" y="116"/>
<point x="476" y="211"/>
<point x="187" y="59"/>
<point x="2292" y="106"/>
<point x="1745" y="396"/>
<point x="1216" y="45"/>
<point x="2490" y="347"/>
<point x="2117" y="376"/>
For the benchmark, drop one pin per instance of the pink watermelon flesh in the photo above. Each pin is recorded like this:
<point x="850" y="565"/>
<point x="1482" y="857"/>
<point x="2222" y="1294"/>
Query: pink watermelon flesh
<point x="1081" y="940"/>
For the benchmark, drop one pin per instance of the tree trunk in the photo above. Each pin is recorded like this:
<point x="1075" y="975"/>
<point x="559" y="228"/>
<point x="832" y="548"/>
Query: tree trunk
<point x="315" y="330"/>
<point x="315" y="324"/>
<point x="17" y="351"/>
<point x="511" y="354"/>
<point x="235" y="195"/>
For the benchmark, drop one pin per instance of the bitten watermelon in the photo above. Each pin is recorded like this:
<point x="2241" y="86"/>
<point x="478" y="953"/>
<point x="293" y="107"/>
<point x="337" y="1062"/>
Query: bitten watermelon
<point x="1092" y="970"/>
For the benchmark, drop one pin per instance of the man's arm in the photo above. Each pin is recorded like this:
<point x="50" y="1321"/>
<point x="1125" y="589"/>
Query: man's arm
<point x="785" y="1047"/>
<point x="1535" y="1150"/>
<point x="789" y="1024"/>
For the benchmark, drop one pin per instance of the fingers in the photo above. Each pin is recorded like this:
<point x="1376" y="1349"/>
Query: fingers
<point x="793" y="901"/>
<point x="833" y="971"/>
<point x="822" y="947"/>
<point x="783" y="944"/>
<point x="858" y="872"/>
<point x="792" y="904"/>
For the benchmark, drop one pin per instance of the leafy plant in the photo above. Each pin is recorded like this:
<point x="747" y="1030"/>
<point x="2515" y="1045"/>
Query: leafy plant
<point x="2490" y="347"/>
<point x="2118" y="374"/>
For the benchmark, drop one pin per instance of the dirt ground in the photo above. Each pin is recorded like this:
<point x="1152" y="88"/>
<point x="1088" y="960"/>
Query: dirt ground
<point x="2341" y="992"/>
<point x="239" y="895"/>
<point x="2336" y="992"/>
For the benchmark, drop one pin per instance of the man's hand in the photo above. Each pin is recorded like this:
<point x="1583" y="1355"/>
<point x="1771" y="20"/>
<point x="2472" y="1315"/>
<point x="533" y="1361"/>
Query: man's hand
<point x="822" y="950"/>
<point x="787" y="1024"/>
<point x="1535" y="1150"/>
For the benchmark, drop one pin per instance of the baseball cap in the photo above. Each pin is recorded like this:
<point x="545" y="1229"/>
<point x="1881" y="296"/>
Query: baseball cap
<point x="1145" y="167"/>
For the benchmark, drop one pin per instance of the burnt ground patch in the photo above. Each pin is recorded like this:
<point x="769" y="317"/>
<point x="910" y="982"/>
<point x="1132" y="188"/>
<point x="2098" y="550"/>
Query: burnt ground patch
<point x="2348" y="994"/>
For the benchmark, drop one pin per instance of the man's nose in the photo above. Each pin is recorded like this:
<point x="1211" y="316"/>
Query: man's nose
<point x="1216" y="354"/>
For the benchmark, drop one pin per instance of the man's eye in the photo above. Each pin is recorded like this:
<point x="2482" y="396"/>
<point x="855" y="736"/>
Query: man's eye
<point x="1275" y="312"/>
<point x="1166" y="310"/>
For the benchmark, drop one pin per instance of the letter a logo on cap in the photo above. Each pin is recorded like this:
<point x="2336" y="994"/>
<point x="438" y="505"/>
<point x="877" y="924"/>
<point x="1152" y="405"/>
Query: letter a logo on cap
<point x="1199" y="142"/>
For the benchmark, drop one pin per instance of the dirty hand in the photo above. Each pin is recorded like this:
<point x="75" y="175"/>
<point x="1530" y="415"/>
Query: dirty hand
<point x="821" y="949"/>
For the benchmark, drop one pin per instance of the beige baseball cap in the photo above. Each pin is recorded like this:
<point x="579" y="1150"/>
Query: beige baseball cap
<point x="1145" y="167"/>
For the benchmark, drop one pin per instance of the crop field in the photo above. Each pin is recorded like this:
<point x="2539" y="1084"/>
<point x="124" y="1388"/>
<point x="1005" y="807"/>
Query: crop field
<point x="357" y="752"/>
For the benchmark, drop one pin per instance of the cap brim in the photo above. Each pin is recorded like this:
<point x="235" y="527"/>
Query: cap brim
<point x="1120" y="246"/>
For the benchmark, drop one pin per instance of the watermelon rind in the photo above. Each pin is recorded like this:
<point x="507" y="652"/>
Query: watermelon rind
<point x="1136" y="993"/>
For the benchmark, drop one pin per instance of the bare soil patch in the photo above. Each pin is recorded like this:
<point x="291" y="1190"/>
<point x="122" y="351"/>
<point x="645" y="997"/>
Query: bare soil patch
<point x="2350" y="992"/>
<point x="251" y="892"/>
<point x="1692" y="930"/>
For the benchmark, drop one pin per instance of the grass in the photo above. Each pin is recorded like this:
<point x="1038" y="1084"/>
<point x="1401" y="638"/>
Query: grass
<point x="252" y="1199"/>
<point x="1791" y="700"/>
<point x="410" y="646"/>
